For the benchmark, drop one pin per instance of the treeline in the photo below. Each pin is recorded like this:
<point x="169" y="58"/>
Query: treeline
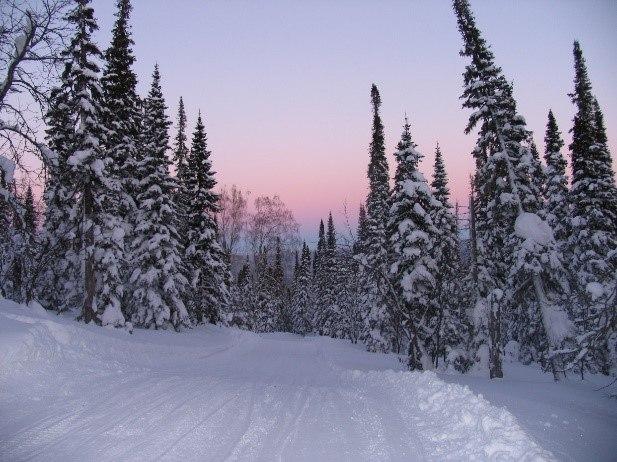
<point x="123" y="242"/>
<point x="126" y="243"/>
<point x="540" y="281"/>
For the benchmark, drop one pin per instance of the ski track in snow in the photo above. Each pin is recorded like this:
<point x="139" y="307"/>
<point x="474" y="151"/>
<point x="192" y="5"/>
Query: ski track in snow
<point x="75" y="392"/>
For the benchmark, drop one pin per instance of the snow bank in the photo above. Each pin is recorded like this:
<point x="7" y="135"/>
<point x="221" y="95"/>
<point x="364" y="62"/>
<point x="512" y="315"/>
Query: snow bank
<point x="79" y="392"/>
<point x="453" y="422"/>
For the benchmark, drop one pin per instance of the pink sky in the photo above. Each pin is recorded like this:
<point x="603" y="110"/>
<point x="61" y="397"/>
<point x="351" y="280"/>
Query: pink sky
<point x="284" y="85"/>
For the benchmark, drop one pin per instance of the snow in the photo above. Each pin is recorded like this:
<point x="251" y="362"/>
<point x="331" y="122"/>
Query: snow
<point x="571" y="418"/>
<point x="7" y="169"/>
<point x="78" y="392"/>
<point x="531" y="227"/>
<point x="78" y="157"/>
<point x="596" y="290"/>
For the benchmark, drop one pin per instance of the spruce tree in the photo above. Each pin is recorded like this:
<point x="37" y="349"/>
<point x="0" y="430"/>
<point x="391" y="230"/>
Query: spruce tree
<point x="378" y="326"/>
<point x="361" y="232"/>
<point x="122" y="108"/>
<point x="100" y="233"/>
<point x="327" y="316"/>
<point x="157" y="252"/>
<point x="593" y="237"/>
<point x="180" y="159"/>
<point x="413" y="268"/>
<point x="302" y="299"/>
<point x="60" y="282"/>
<point x="556" y="192"/>
<point x="517" y="244"/>
<point x="208" y="268"/>
<point x="452" y="330"/>
<point x="321" y="245"/>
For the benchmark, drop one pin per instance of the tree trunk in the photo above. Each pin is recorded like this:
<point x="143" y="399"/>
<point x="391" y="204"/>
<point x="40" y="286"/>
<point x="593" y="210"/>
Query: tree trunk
<point x="88" y="313"/>
<point x="494" y="334"/>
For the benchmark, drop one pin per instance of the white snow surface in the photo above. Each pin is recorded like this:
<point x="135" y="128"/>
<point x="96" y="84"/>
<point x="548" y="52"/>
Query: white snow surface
<point x="531" y="227"/>
<point x="70" y="391"/>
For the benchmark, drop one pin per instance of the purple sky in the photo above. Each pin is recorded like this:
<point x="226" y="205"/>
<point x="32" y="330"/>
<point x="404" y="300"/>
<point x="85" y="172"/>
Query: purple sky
<point x="284" y="85"/>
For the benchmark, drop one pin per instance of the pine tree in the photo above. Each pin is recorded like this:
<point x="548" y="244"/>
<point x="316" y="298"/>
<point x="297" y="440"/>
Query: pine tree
<point x="302" y="297"/>
<point x="122" y="108"/>
<point x="538" y="175"/>
<point x="296" y="264"/>
<point x="452" y="329"/>
<point x="413" y="269"/>
<point x="327" y="315"/>
<point x="593" y="237"/>
<point x="556" y="192"/>
<point x="60" y="282"/>
<point x="266" y="303"/>
<point x="279" y="292"/>
<point x="99" y="232"/>
<point x="208" y="268"/>
<point x="157" y="252"/>
<point x="19" y="249"/>
<point x="180" y="158"/>
<point x="379" y="330"/>
<point x="517" y="244"/>
<point x="30" y="218"/>
<point x="321" y="245"/>
<point x="361" y="232"/>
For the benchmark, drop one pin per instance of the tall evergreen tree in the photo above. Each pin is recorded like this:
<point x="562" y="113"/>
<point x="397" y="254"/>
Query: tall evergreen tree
<point x="413" y="269"/>
<point x="517" y="244"/>
<point x="95" y="191"/>
<point x="60" y="284"/>
<point x="327" y="316"/>
<point x="361" y="231"/>
<point x="180" y="158"/>
<point x="302" y="297"/>
<point x="593" y="236"/>
<point x="321" y="246"/>
<point x="122" y="108"/>
<point x="208" y="268"/>
<point x="556" y="192"/>
<point x="157" y="252"/>
<point x="378" y="331"/>
<point x="452" y="330"/>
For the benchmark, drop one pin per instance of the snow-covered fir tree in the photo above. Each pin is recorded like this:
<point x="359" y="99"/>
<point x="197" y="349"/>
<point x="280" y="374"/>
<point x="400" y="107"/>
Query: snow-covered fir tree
<point x="122" y="107"/>
<point x="96" y="192"/>
<point x="19" y="249"/>
<point x="319" y="251"/>
<point x="180" y="159"/>
<point x="327" y="316"/>
<point x="538" y="175"/>
<point x="302" y="295"/>
<point x="122" y="117"/>
<point x="518" y="247"/>
<point x="556" y="193"/>
<point x="378" y="332"/>
<point x="207" y="265"/>
<point x="451" y="333"/>
<point x="60" y="281"/>
<point x="593" y="236"/>
<point x="158" y="280"/>
<point x="267" y="307"/>
<point x="413" y="267"/>
<point x="239" y="314"/>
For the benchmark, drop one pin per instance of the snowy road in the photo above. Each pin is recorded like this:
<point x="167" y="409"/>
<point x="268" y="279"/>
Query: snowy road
<point x="75" y="392"/>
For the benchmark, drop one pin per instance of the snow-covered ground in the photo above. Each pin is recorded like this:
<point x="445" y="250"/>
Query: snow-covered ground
<point x="75" y="392"/>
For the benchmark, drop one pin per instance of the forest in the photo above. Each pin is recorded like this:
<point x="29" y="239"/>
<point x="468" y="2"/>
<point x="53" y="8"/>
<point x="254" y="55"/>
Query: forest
<point x="134" y="232"/>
